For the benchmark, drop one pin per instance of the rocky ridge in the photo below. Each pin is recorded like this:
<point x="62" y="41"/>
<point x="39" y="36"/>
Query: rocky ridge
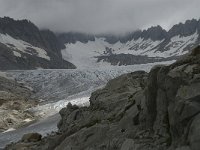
<point x="137" y="111"/>
<point x="155" y="33"/>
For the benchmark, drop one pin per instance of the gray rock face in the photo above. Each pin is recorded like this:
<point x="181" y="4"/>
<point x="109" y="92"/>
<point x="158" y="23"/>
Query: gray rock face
<point x="188" y="28"/>
<point x="136" y="111"/>
<point x="177" y="99"/>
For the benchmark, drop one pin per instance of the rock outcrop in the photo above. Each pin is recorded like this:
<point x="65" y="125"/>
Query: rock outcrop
<point x="129" y="59"/>
<point x="136" y="111"/>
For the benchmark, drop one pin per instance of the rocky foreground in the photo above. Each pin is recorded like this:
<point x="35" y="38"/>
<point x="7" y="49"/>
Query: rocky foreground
<point x="14" y="104"/>
<point x="136" y="111"/>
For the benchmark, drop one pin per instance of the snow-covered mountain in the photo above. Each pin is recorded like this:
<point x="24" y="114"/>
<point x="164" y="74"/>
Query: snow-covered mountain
<point x="24" y="46"/>
<point x="140" y="47"/>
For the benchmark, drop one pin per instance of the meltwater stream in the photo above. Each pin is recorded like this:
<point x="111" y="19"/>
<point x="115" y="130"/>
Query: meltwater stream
<point x="44" y="127"/>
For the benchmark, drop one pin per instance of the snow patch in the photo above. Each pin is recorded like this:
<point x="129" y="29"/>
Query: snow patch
<point x="9" y="130"/>
<point x="28" y="120"/>
<point x="17" y="54"/>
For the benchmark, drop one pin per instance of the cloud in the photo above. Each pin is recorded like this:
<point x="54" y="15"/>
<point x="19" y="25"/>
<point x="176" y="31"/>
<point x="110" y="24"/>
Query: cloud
<point x="100" y="16"/>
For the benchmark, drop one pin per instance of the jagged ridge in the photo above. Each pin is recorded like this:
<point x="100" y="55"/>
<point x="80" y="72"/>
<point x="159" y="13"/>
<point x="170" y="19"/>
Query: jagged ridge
<point x="154" y="33"/>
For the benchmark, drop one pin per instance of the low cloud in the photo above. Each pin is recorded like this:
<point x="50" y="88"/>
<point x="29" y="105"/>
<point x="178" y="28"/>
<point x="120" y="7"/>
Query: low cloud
<point x="101" y="16"/>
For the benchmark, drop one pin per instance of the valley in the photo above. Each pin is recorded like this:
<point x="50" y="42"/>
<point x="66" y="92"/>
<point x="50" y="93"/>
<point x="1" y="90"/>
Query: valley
<point x="99" y="91"/>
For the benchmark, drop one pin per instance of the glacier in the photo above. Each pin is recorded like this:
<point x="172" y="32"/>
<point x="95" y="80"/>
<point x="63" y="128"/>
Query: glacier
<point x="52" y="85"/>
<point x="56" y="88"/>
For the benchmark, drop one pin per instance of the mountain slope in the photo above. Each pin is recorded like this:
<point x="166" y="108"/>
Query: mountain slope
<point x="24" y="46"/>
<point x="151" y="45"/>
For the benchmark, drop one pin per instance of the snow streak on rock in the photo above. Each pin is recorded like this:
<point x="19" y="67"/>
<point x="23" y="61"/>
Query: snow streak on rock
<point x="20" y="46"/>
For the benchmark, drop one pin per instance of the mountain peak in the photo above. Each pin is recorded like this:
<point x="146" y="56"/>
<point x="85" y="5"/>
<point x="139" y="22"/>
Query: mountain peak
<point x="154" y="33"/>
<point x="185" y="29"/>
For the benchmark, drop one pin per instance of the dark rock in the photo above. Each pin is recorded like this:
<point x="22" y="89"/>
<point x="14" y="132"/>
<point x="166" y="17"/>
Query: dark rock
<point x="72" y="37"/>
<point x="155" y="33"/>
<point x="129" y="59"/>
<point x="196" y="51"/>
<point x="194" y="133"/>
<point x="31" y="137"/>
<point x="186" y="29"/>
<point x="151" y="95"/>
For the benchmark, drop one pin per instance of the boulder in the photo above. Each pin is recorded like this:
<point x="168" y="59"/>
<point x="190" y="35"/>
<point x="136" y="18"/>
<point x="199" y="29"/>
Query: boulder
<point x="31" y="137"/>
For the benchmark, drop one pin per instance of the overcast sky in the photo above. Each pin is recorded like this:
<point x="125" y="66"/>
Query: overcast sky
<point x="101" y="16"/>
